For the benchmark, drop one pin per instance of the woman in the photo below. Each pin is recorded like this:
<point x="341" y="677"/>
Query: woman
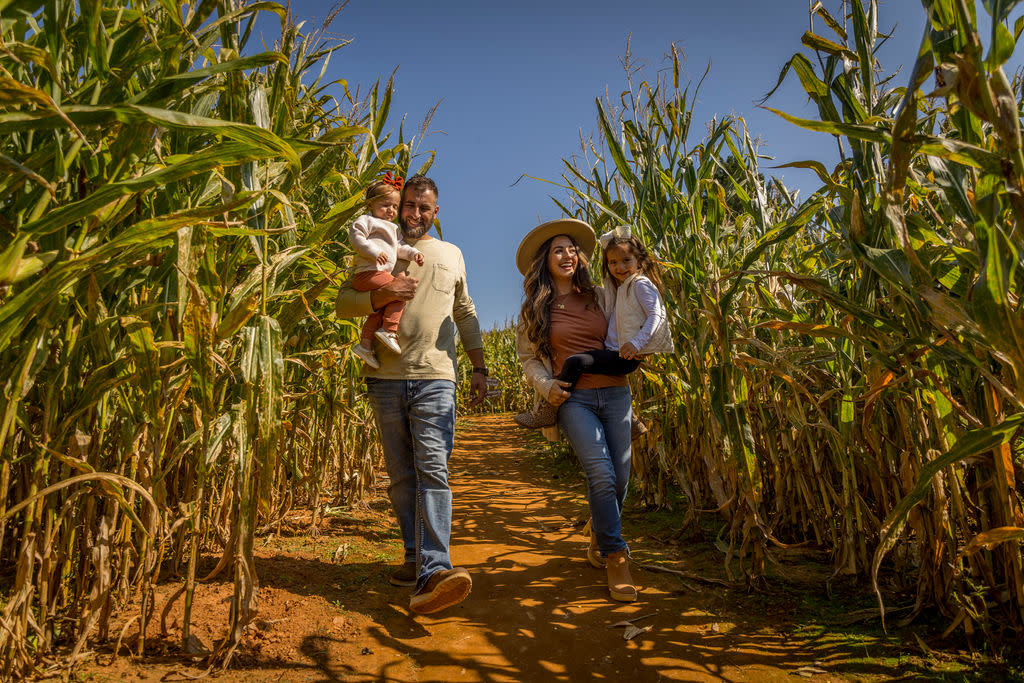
<point x="562" y="315"/>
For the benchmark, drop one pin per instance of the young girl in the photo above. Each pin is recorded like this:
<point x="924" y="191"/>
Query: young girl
<point x="378" y="244"/>
<point x="637" y="327"/>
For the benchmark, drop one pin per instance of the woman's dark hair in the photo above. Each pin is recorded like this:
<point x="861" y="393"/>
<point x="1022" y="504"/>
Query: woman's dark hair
<point x="539" y="287"/>
<point x="644" y="263"/>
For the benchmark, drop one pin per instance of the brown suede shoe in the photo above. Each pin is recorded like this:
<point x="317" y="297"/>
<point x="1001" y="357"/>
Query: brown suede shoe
<point x="445" y="588"/>
<point x="544" y="415"/>
<point x="620" y="583"/>
<point x="404" y="576"/>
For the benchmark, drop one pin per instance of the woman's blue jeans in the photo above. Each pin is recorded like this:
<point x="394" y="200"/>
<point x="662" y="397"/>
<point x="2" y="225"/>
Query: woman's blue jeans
<point x="416" y="420"/>
<point x="596" y="422"/>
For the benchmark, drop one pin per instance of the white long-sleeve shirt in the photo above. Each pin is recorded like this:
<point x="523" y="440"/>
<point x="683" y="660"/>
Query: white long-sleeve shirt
<point x="370" y="237"/>
<point x="650" y="300"/>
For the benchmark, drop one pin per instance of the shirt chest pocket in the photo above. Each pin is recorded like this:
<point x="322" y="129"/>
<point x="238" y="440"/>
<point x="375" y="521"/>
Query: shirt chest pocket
<point x="444" y="278"/>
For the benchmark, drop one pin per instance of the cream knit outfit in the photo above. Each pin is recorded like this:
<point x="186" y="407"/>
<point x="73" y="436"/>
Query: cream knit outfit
<point x="370" y="237"/>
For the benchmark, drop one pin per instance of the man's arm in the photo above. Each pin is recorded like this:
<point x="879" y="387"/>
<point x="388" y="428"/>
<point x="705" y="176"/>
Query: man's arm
<point x="353" y="304"/>
<point x="464" y="314"/>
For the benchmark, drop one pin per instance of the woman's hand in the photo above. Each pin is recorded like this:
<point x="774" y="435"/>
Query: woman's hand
<point x="557" y="394"/>
<point x="628" y="351"/>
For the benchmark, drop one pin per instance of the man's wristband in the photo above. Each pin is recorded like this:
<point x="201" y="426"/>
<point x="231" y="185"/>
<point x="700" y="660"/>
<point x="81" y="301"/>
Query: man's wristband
<point x="482" y="371"/>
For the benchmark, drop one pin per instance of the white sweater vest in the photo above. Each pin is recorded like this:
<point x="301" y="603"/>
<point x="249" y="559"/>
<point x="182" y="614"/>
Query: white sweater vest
<point x="630" y="317"/>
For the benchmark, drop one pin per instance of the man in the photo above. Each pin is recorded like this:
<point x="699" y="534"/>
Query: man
<point x="413" y="396"/>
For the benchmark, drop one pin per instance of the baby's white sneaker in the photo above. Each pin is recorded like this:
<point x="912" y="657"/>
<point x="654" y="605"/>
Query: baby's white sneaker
<point x="367" y="355"/>
<point x="388" y="339"/>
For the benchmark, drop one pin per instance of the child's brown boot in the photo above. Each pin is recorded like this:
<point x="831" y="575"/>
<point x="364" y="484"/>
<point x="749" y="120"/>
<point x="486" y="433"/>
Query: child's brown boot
<point x="543" y="415"/>
<point x="636" y="428"/>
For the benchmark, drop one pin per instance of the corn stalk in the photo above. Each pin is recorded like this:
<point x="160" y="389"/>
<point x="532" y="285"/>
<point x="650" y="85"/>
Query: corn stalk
<point x="174" y="379"/>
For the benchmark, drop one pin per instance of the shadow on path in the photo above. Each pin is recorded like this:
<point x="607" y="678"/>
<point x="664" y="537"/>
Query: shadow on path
<point x="538" y="611"/>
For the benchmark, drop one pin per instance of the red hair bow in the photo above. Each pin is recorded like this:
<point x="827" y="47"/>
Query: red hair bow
<point x="393" y="181"/>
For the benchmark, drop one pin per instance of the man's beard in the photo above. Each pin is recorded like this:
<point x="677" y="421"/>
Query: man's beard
<point x="414" y="233"/>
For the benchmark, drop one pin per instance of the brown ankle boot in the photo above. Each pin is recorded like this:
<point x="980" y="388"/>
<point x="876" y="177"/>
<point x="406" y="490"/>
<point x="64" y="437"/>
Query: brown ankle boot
<point x="543" y="415"/>
<point x="620" y="582"/>
<point x="593" y="552"/>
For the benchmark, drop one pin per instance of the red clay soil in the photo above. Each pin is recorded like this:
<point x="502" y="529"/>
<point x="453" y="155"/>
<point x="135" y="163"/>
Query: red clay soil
<point x="538" y="611"/>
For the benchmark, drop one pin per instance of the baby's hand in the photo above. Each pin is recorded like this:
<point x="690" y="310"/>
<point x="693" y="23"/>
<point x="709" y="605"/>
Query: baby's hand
<point x="418" y="259"/>
<point x="382" y="259"/>
<point x="627" y="351"/>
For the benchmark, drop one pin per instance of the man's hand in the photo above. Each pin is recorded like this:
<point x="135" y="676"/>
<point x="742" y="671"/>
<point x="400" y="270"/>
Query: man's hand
<point x="478" y="380"/>
<point x="557" y="395"/>
<point x="382" y="259"/>
<point x="402" y="288"/>
<point x="477" y="389"/>
<point x="628" y="351"/>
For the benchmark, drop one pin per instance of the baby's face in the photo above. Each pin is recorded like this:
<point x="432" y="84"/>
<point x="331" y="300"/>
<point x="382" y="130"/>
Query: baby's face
<point x="385" y="206"/>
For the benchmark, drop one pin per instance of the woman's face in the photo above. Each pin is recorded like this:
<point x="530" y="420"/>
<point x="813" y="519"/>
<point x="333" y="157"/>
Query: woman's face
<point x="562" y="259"/>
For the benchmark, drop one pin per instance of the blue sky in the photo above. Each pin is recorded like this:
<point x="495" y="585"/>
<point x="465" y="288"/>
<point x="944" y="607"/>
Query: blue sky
<point x="517" y="82"/>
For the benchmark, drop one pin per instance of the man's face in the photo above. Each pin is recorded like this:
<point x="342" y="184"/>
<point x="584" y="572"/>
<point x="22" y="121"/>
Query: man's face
<point x="418" y="210"/>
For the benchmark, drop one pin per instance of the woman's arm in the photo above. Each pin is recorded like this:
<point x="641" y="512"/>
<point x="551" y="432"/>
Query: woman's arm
<point x="537" y="374"/>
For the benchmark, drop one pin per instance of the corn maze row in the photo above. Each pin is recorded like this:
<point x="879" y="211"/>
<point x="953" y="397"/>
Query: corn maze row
<point x="174" y="380"/>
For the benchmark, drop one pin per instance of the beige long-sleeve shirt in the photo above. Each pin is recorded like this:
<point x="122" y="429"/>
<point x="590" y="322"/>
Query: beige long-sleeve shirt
<point x="441" y="307"/>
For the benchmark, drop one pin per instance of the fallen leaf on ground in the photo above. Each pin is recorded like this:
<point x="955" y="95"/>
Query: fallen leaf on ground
<point x="808" y="671"/>
<point x="633" y="631"/>
<point x="627" y="622"/>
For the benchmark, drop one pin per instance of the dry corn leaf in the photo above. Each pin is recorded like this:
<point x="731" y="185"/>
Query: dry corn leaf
<point x="627" y="622"/>
<point x="808" y="671"/>
<point x="632" y="632"/>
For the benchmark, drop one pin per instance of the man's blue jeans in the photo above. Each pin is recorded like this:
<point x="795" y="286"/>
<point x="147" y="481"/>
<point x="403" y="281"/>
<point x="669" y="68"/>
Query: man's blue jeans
<point x="596" y="422"/>
<point x="416" y="420"/>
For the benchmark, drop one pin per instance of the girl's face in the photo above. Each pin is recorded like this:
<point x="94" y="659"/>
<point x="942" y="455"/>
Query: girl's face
<point x="621" y="262"/>
<point x="562" y="259"/>
<point x="385" y="206"/>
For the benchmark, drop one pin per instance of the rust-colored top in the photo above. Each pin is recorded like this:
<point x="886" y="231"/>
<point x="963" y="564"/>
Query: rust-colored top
<point x="578" y="325"/>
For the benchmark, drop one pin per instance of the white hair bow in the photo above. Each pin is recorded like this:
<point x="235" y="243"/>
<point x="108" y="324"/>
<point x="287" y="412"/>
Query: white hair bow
<point x="621" y="232"/>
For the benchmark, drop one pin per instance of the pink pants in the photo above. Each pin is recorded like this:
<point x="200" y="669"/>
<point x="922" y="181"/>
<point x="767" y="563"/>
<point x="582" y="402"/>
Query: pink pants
<point x="387" y="317"/>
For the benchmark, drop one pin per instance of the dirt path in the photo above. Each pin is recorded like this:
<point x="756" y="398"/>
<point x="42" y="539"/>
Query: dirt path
<point x="538" y="611"/>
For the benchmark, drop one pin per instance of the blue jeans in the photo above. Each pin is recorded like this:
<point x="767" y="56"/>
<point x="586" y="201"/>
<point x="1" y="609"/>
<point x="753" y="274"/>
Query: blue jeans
<point x="416" y="421"/>
<point x="596" y="422"/>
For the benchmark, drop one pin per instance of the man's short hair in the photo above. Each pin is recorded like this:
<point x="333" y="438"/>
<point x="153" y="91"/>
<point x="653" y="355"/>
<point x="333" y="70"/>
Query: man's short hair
<point x="419" y="183"/>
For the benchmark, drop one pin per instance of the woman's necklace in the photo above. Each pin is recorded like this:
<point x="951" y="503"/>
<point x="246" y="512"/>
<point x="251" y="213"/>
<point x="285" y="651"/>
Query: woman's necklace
<point x="559" y="304"/>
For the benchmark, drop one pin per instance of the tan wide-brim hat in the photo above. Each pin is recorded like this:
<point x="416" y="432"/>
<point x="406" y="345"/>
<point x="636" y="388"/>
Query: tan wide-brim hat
<point x="580" y="232"/>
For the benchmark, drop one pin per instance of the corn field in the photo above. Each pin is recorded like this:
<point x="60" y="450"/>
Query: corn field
<point x="849" y="366"/>
<point x="174" y="380"/>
